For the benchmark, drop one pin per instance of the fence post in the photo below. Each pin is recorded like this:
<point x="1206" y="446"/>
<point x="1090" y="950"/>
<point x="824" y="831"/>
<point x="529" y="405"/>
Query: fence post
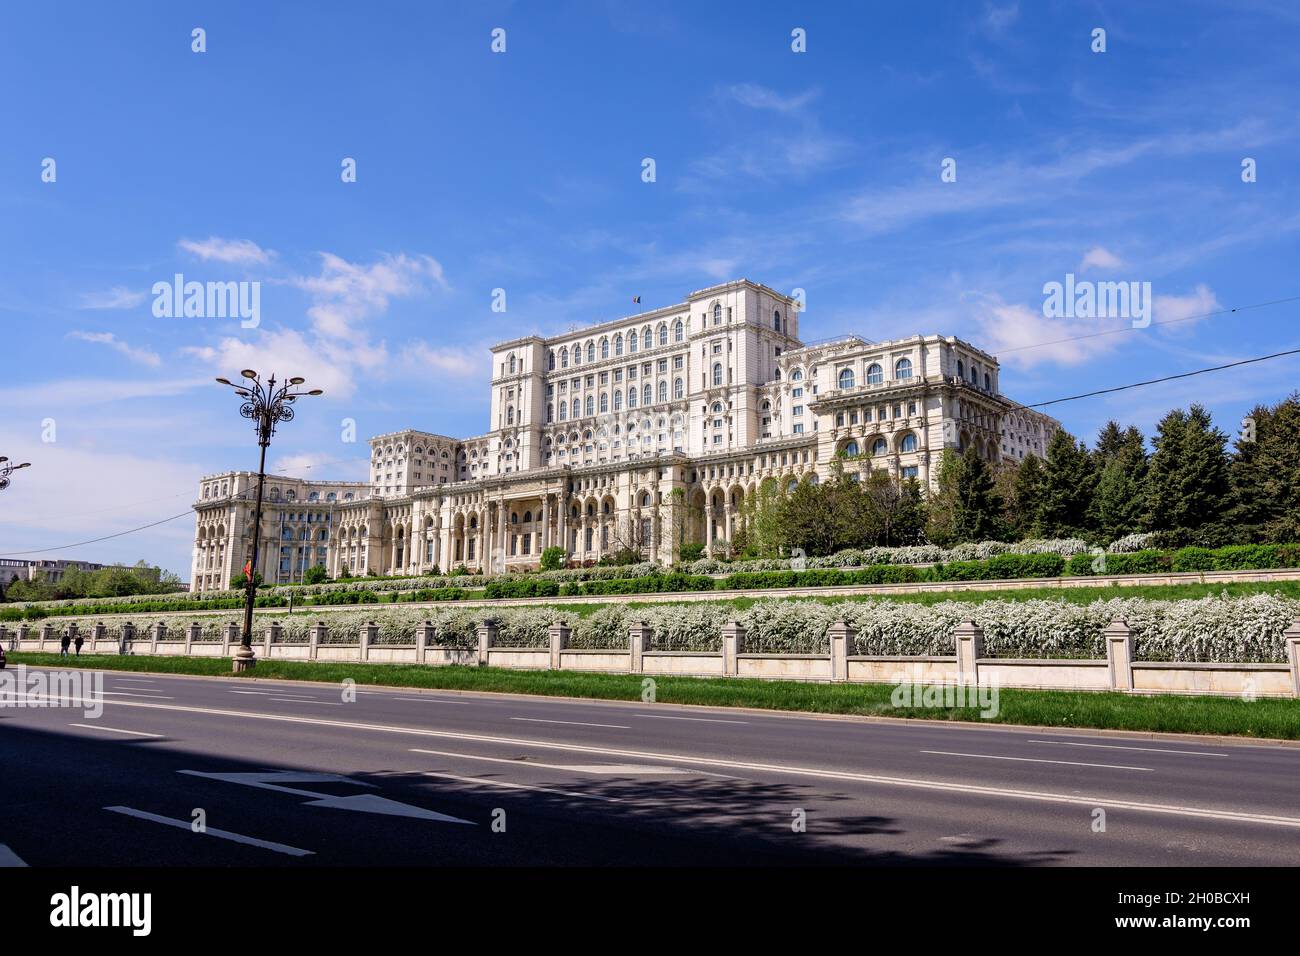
<point x="127" y="637"/>
<point x="557" y="636"/>
<point x="315" y="634"/>
<point x="98" y="634"/>
<point x="192" y="633"/>
<point x="157" y="633"/>
<point x="639" y="636"/>
<point x="842" y="635"/>
<point x="733" y="645"/>
<point x="72" y="635"/>
<point x="1292" y="637"/>
<point x="969" y="638"/>
<point x="4" y="636"/>
<point x="369" y="632"/>
<point x="1119" y="654"/>
<point x="233" y="637"/>
<point x="23" y="633"/>
<point x="424" y="632"/>
<point x="47" y="632"/>
<point x="487" y="638"/>
<point x="272" y="636"/>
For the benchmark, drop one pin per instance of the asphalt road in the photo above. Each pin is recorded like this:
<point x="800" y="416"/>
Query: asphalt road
<point x="288" y="773"/>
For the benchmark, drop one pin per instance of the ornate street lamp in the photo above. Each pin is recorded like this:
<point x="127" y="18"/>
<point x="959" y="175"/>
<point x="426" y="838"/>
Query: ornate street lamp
<point x="266" y="405"/>
<point x="7" y="469"/>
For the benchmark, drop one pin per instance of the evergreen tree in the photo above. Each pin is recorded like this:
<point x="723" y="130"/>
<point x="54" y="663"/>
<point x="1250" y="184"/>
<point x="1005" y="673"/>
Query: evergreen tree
<point x="1119" y="502"/>
<point x="1068" y="483"/>
<point x="1027" y="499"/>
<point x="941" y="503"/>
<point x="978" y="512"/>
<point x="1265" y="475"/>
<point x="1187" y="484"/>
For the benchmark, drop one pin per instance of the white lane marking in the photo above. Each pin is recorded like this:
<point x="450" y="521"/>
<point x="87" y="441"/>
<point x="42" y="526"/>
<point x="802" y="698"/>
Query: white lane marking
<point x="211" y="831"/>
<point x="1068" y="763"/>
<point x="133" y="693"/>
<point x="9" y="858"/>
<point x="307" y="700"/>
<point x="116" y="730"/>
<point x="1149" y="750"/>
<point x="621" y="768"/>
<point x="507" y="785"/>
<point x="134" y="680"/>
<point x="1236" y="816"/>
<point x="705" y="720"/>
<point x="571" y="723"/>
<point x="257" y="693"/>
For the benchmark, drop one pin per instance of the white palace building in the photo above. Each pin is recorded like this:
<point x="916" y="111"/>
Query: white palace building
<point x="642" y="432"/>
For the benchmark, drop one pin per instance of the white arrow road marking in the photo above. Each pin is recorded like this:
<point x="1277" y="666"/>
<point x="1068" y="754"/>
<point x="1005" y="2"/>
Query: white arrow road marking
<point x="1068" y="763"/>
<point x="362" y="802"/>
<point x="9" y="858"/>
<point x="211" y="831"/>
<point x="116" y="730"/>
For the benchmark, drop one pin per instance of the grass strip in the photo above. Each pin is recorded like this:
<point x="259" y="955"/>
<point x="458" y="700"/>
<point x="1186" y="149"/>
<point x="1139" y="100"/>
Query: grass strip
<point x="1226" y="716"/>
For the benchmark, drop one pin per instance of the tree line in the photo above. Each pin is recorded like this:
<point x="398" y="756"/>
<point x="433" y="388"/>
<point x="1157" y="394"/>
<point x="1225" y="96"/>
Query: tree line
<point x="113" y="581"/>
<point x="1189" y="485"/>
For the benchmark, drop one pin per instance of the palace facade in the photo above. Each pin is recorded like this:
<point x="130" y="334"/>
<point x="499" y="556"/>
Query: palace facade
<point x="641" y="433"/>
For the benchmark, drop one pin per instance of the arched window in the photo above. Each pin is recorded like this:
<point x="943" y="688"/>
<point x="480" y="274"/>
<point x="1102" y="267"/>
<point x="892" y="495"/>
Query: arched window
<point x="512" y="365"/>
<point x="528" y="517"/>
<point x="577" y="409"/>
<point x="618" y="401"/>
<point x="879" y="446"/>
<point x="679" y="389"/>
<point x="591" y="405"/>
<point x="717" y="315"/>
<point x="618" y="344"/>
<point x="909" y="442"/>
<point x="604" y="403"/>
<point x="663" y="391"/>
<point x="987" y="386"/>
<point x="717" y="373"/>
<point x="846" y="378"/>
<point x="796" y="375"/>
<point x="776" y="319"/>
<point x="679" y="331"/>
<point x="564" y="411"/>
<point x="514" y="517"/>
<point x="550" y="360"/>
<point x="903" y="368"/>
<point x="631" y="397"/>
<point x="717" y="408"/>
<point x="645" y="500"/>
<point x="564" y="358"/>
<point x="875" y="374"/>
<point x="550" y="412"/>
<point x="851" y="449"/>
<point x="577" y="355"/>
<point x="591" y="351"/>
<point x="604" y="348"/>
<point x="632" y="342"/>
<point x="663" y="334"/>
<point x="510" y="414"/>
<point x="961" y="369"/>
<point x="646" y="398"/>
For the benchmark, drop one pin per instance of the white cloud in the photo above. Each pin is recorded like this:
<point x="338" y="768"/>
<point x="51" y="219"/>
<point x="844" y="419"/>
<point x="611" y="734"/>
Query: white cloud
<point x="762" y="98"/>
<point x="996" y="19"/>
<point x="238" y="251"/>
<point x="1185" y="310"/>
<point x="1022" y="336"/>
<point x="327" y="365"/>
<point x="118" y="297"/>
<point x="453" y="361"/>
<point x="82" y="392"/>
<point x="345" y="294"/>
<point x="1100" y="258"/>
<point x="140" y="355"/>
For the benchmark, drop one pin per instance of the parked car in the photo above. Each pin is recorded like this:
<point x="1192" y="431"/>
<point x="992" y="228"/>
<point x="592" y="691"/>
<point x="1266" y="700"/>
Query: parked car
<point x="2" y="659"/>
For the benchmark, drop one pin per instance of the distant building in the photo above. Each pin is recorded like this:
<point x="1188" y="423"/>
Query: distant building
<point x="52" y="571"/>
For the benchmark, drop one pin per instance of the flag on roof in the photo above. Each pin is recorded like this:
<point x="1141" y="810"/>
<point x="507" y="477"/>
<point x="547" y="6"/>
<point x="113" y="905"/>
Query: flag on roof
<point x="636" y="300"/>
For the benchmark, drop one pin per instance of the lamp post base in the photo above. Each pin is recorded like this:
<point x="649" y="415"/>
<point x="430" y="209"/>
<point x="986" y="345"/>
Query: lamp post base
<point x="244" y="660"/>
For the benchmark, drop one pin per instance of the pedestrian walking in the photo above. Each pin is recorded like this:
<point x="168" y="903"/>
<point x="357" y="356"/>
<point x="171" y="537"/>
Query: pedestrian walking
<point x="78" y="642"/>
<point x="63" y="644"/>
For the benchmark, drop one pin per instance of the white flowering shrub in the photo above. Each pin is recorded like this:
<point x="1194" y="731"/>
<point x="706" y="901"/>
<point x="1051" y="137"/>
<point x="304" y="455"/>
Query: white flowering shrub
<point x="1132" y="542"/>
<point x="687" y="627"/>
<point x="604" y="629"/>
<point x="788" y="627"/>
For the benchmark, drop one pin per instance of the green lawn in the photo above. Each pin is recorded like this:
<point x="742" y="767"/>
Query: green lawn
<point x="1270" y="718"/>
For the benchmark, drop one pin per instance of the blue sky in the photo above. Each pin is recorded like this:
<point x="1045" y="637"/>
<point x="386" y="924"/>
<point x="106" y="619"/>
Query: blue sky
<point x="522" y="171"/>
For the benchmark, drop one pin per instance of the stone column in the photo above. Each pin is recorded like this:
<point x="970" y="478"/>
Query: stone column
<point x="127" y="637"/>
<point x="231" y="638"/>
<point x="487" y="637"/>
<point x="192" y="633"/>
<point x="969" y="638"/>
<point x="369" y="633"/>
<point x="558" y="637"/>
<point x="842" y="637"/>
<point x="1292" y="638"/>
<point x="1119" y="654"/>
<point x="423" y="635"/>
<point x="708" y="528"/>
<point x="274" y="632"/>
<point x="563" y="506"/>
<point x="158" y="633"/>
<point x="639" y="636"/>
<point x="546" y="523"/>
<point x="315" y="635"/>
<point x="733" y="645"/>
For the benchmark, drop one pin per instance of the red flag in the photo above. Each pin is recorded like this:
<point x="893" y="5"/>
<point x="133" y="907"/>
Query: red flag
<point x="248" y="569"/>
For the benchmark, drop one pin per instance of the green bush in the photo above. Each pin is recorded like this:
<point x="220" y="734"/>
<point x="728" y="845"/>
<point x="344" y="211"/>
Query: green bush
<point x="521" y="588"/>
<point x="1001" y="568"/>
<point x="691" y="552"/>
<point x="553" y="558"/>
